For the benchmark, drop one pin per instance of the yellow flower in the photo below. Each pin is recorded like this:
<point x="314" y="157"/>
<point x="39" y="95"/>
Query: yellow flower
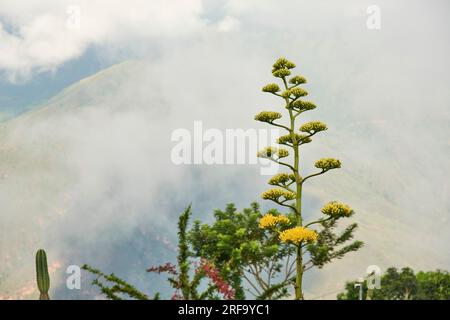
<point x="313" y="126"/>
<point x="283" y="219"/>
<point x="302" y="106"/>
<point x="269" y="220"/>
<point x="337" y="209"/>
<point x="327" y="164"/>
<point x="297" y="235"/>
<point x="268" y="116"/>
<point x="300" y="139"/>
<point x="297" y="80"/>
<point x="276" y="193"/>
<point x="282" y="179"/>
<point x="272" y="88"/>
<point x="283" y="63"/>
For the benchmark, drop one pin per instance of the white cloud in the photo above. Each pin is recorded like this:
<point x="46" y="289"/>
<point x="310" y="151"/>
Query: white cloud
<point x="227" y="24"/>
<point x="34" y="35"/>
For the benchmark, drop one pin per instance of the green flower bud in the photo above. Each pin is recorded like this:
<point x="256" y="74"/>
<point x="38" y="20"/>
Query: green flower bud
<point x="267" y="152"/>
<point x="286" y="94"/>
<point x="267" y="116"/>
<point x="300" y="139"/>
<point x="283" y="63"/>
<point x="297" y="80"/>
<point x="327" y="164"/>
<point x="277" y="193"/>
<point x="301" y="105"/>
<point x="282" y="153"/>
<point x="313" y="127"/>
<point x="298" y="92"/>
<point x="281" y="73"/>
<point x="294" y="93"/>
<point x="282" y="178"/>
<point x="337" y="210"/>
<point x="272" y="88"/>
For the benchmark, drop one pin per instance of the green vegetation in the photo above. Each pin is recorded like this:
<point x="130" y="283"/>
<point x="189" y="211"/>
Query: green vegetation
<point x="185" y="282"/>
<point x="404" y="285"/>
<point x="115" y="288"/>
<point x="244" y="253"/>
<point x="252" y="257"/>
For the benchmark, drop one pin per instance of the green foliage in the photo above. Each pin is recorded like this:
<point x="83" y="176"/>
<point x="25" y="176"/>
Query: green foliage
<point x="115" y="288"/>
<point x="183" y="256"/>
<point x="330" y="245"/>
<point x="433" y="285"/>
<point x="181" y="280"/>
<point x="185" y="281"/>
<point x="42" y="276"/>
<point x="242" y="251"/>
<point x="404" y="285"/>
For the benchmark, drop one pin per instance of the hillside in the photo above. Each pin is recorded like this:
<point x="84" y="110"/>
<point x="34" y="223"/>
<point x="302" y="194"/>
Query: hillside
<point x="88" y="176"/>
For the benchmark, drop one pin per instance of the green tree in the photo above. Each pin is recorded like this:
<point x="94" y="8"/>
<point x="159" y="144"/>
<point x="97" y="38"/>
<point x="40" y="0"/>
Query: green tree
<point x="288" y="187"/>
<point x="243" y="251"/>
<point x="404" y="285"/>
<point x="186" y="281"/>
<point x="433" y="285"/>
<point x="253" y="257"/>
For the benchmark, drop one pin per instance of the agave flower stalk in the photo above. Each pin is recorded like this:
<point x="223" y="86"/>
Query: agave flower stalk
<point x="289" y="186"/>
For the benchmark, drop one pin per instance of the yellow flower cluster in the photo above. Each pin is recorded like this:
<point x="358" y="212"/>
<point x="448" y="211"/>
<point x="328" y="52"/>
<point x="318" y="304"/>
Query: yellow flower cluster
<point x="297" y="235"/>
<point x="302" y="106"/>
<point x="282" y="178"/>
<point x="271" y="87"/>
<point x="337" y="209"/>
<point x="297" y="80"/>
<point x="269" y="220"/>
<point x="313" y="126"/>
<point x="283" y="63"/>
<point x="276" y="193"/>
<point x="287" y="139"/>
<point x="281" y="73"/>
<point x="268" y="116"/>
<point x="327" y="164"/>
<point x="269" y="152"/>
<point x="282" y="153"/>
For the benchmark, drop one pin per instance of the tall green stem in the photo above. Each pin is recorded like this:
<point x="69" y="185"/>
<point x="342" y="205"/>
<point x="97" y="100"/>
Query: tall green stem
<point x="298" y="200"/>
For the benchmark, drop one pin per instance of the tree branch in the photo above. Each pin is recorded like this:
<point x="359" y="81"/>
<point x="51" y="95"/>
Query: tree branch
<point x="313" y="175"/>
<point x="280" y="125"/>
<point x="279" y="162"/>
<point x="318" y="221"/>
<point x="251" y="284"/>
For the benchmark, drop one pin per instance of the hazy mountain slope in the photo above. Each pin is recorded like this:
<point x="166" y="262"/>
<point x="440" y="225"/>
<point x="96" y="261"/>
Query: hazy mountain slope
<point x="89" y="173"/>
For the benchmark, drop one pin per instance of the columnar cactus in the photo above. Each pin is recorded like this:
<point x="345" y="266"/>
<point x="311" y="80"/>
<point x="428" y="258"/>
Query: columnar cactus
<point x="42" y="276"/>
